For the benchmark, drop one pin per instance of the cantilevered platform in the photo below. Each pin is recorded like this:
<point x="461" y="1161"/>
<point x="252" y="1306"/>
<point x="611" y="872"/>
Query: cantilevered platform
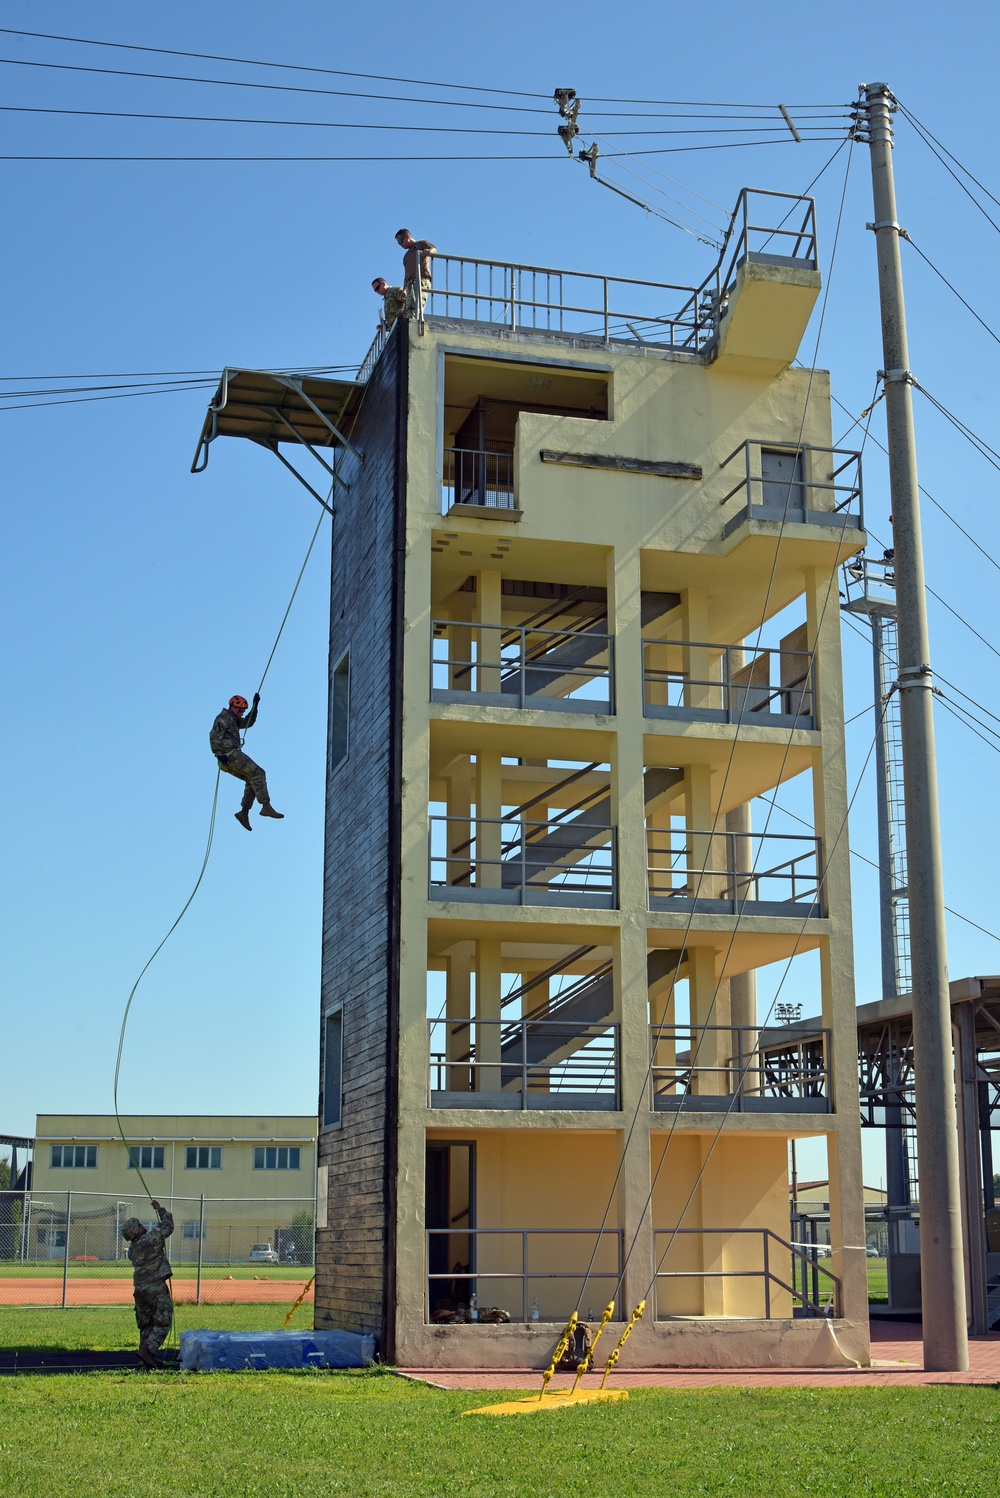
<point x="270" y="408"/>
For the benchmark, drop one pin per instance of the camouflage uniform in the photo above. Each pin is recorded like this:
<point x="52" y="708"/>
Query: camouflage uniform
<point x="393" y="305"/>
<point x="417" y="275"/>
<point x="225" y="743"/>
<point x="154" y="1307"/>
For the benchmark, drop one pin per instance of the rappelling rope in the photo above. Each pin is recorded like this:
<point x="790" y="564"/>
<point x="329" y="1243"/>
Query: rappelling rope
<point x="211" y="829"/>
<point x="130" y="1150"/>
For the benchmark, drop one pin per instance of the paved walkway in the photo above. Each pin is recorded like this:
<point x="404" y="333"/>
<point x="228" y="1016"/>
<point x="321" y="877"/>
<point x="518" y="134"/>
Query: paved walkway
<point x="897" y="1357"/>
<point x="118" y="1292"/>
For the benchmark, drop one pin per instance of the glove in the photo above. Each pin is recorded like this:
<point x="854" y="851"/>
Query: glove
<point x="256" y="698"/>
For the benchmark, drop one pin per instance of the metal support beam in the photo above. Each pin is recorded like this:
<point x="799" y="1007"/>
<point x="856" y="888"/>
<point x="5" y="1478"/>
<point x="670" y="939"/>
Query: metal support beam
<point x="941" y="1247"/>
<point x="273" y="448"/>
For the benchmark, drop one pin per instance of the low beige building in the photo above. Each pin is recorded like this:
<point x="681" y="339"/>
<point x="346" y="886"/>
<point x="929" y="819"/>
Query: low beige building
<point x="237" y="1184"/>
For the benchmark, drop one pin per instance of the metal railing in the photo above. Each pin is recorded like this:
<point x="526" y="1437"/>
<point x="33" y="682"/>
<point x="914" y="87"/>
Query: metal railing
<point x="500" y="861"/>
<point x="503" y="665"/>
<point x="823" y="485"/>
<point x="722" y="872"/>
<point x="474" y="477"/>
<point x="778" y="1257"/>
<point x="740" y="1068"/>
<point x="522" y="1064"/>
<point x="568" y="302"/>
<point x="698" y="681"/>
<point x="508" y="1268"/>
<point x="767" y="228"/>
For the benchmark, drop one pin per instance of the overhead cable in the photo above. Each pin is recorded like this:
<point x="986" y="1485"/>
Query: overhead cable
<point x="214" y="119"/>
<point x="926" y="258"/>
<point x="935" y="152"/>
<point x="872" y="864"/>
<point x="926" y="493"/>
<point x="644" y="151"/>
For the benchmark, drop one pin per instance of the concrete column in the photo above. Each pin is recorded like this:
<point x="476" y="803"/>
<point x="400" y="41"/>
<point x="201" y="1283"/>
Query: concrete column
<point x="488" y="610"/>
<point x="488" y="987"/>
<point x="631" y="995"/>
<point x="698" y="664"/>
<point x="460" y="1037"/>
<point x="489" y="805"/>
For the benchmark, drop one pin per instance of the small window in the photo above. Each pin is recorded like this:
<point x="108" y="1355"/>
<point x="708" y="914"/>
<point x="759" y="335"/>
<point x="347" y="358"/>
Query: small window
<point x="276" y="1157"/>
<point x="340" y="703"/>
<point x="145" y="1157"/>
<point x="203" y="1157"/>
<point x="74" y="1156"/>
<point x="190" y="1230"/>
<point x="333" y="1067"/>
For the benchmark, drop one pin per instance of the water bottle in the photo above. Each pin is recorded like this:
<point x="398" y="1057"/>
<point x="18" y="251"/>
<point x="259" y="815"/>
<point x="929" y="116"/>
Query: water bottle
<point x="473" y="1307"/>
<point x="534" y="1308"/>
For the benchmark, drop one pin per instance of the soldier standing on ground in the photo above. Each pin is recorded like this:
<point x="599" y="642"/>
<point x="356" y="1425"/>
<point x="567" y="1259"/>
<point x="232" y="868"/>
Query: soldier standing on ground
<point x="393" y="301"/>
<point x="154" y="1307"/>
<point x="416" y="269"/>
<point x="228" y="749"/>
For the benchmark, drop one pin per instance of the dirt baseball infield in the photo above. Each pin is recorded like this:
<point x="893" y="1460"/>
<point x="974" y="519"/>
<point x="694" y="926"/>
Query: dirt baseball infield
<point x="118" y="1292"/>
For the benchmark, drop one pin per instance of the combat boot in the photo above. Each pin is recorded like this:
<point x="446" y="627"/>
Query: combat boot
<point x="146" y="1357"/>
<point x="267" y="810"/>
<point x="243" y="817"/>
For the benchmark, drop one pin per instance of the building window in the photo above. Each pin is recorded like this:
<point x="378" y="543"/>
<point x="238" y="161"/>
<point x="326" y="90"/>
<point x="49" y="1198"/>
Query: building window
<point x="276" y="1157"/>
<point x="191" y="1230"/>
<point x="333" y="1066"/>
<point x="203" y="1157"/>
<point x="340" y="701"/>
<point x="145" y="1157"/>
<point x="74" y="1156"/>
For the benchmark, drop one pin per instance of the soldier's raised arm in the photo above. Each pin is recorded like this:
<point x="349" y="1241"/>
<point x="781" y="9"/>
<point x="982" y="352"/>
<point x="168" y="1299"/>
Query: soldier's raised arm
<point x="166" y="1226"/>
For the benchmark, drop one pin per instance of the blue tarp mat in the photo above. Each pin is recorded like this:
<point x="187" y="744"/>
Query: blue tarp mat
<point x="208" y="1352"/>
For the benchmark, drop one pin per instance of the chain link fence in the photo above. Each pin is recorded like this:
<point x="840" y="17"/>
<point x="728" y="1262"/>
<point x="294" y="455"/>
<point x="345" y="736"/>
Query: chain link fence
<point x="65" y="1248"/>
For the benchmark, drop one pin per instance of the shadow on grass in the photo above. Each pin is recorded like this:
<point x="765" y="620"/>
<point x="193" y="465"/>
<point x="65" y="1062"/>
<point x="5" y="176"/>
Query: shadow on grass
<point x="36" y="1360"/>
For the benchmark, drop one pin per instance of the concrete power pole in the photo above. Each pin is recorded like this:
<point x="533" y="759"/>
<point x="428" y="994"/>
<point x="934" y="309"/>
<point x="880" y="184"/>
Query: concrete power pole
<point x="942" y="1271"/>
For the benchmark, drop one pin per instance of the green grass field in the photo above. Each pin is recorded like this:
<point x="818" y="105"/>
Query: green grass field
<point x="373" y="1436"/>
<point x="112" y="1328"/>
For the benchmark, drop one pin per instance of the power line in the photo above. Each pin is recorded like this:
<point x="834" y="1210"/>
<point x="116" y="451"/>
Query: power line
<point x="873" y="864"/>
<point x="644" y="151"/>
<point x="956" y="711"/>
<point x="215" y="119"/>
<point x="979" y="443"/>
<point x="930" y="136"/>
<point x="392" y="78"/>
<point x="137" y="374"/>
<point x="927" y="495"/>
<point x="935" y="152"/>
<point x="973" y="700"/>
<point x="288" y="88"/>
<point x="86" y="41"/>
<point x="904" y="235"/>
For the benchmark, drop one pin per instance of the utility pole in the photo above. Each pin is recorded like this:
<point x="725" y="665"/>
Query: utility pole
<point x="942" y="1269"/>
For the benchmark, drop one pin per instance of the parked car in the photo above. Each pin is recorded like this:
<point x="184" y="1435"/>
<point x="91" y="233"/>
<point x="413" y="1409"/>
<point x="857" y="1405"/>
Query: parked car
<point x="263" y="1253"/>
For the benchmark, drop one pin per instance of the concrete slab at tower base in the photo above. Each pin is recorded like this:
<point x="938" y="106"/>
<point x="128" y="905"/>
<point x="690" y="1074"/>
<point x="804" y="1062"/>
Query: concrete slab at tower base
<point x="819" y="1343"/>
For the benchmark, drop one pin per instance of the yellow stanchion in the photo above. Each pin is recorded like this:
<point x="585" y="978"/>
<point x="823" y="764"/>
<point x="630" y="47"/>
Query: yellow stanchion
<point x="609" y="1311"/>
<point x="305" y="1291"/>
<point x="612" y="1360"/>
<point x="562" y="1399"/>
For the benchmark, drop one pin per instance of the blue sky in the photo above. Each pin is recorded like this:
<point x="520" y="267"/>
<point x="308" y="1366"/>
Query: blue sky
<point x="136" y="598"/>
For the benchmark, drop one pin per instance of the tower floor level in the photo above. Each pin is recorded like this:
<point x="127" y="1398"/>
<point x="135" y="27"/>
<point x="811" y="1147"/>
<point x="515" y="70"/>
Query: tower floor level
<point x="584" y="615"/>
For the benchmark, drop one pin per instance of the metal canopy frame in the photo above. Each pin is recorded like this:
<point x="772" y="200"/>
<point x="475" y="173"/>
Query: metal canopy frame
<point x="269" y="408"/>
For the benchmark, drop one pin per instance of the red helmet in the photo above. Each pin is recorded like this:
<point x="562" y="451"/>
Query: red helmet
<point x="238" y="704"/>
